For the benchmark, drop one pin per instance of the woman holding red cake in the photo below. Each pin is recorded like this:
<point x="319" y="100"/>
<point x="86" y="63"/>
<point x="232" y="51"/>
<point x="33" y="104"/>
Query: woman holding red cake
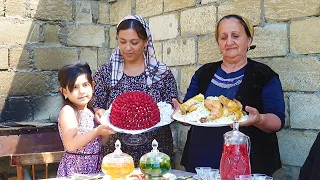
<point x="134" y="67"/>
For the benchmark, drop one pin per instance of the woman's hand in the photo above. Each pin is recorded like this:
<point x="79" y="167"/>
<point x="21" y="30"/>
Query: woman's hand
<point x="254" y="117"/>
<point x="98" y="114"/>
<point x="266" y="122"/>
<point x="176" y="105"/>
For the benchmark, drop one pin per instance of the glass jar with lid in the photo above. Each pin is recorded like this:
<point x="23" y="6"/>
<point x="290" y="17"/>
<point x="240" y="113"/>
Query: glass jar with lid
<point x="117" y="164"/>
<point x="155" y="164"/>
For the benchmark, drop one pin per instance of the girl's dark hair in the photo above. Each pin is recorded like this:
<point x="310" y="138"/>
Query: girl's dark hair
<point x="133" y="24"/>
<point x="242" y="22"/>
<point x="68" y="75"/>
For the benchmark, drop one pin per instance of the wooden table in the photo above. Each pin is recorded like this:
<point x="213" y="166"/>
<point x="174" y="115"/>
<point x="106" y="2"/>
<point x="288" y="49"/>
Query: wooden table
<point x="30" y="143"/>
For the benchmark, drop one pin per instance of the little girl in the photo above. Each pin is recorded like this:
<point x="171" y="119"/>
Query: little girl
<point x="80" y="135"/>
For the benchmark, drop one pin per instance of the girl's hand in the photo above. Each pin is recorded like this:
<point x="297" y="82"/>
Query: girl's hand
<point x="176" y="105"/>
<point x="104" y="130"/>
<point x="98" y="114"/>
<point x="254" y="117"/>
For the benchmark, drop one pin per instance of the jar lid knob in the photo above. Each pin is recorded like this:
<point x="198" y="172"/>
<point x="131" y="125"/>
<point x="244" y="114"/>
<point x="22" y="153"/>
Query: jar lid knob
<point x="155" y="146"/>
<point x="118" y="147"/>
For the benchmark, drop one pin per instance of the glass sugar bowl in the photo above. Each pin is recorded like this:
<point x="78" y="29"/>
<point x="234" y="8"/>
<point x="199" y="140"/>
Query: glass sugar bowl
<point x="155" y="164"/>
<point x="117" y="164"/>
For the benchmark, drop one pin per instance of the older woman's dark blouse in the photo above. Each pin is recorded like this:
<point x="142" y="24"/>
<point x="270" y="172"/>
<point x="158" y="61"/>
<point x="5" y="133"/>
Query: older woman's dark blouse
<point x="204" y="144"/>
<point x="163" y="90"/>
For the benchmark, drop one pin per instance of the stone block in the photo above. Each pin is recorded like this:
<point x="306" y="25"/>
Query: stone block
<point x="297" y="74"/>
<point x="90" y="56"/>
<point x="17" y="109"/>
<point x="158" y="50"/>
<point x="287" y="110"/>
<point x="119" y="10"/>
<point x="13" y="32"/>
<point x="103" y="55"/>
<point x="304" y="36"/>
<point x="4" y="61"/>
<point x="104" y="13"/>
<point x="23" y="83"/>
<point x="15" y="8"/>
<point x="172" y="5"/>
<point x="32" y="6"/>
<point x="304" y="111"/>
<point x="186" y="74"/>
<point x="54" y="84"/>
<point x="283" y="10"/>
<point x="56" y="10"/>
<point x="208" y="1"/>
<point x="176" y="74"/>
<point x="34" y="33"/>
<point x="179" y="52"/>
<point x="83" y="12"/>
<point x="247" y="8"/>
<point x="182" y="135"/>
<point x="95" y="11"/>
<point x="208" y="50"/>
<point x="113" y="36"/>
<point x="1" y="7"/>
<point x="201" y="20"/>
<point x="89" y="35"/>
<point x="146" y="8"/>
<point x="46" y="108"/>
<point x="54" y="58"/>
<point x="51" y="34"/>
<point x="287" y="172"/>
<point x="3" y="99"/>
<point x="271" y="40"/>
<point x="19" y="58"/>
<point x="5" y="167"/>
<point x="164" y="27"/>
<point x="177" y="160"/>
<point x="295" y="146"/>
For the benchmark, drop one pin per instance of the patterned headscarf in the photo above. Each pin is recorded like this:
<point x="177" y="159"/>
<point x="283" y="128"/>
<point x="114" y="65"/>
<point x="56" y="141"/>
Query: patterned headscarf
<point x="155" y="70"/>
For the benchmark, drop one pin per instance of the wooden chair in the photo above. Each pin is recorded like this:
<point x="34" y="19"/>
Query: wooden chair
<point x="33" y="159"/>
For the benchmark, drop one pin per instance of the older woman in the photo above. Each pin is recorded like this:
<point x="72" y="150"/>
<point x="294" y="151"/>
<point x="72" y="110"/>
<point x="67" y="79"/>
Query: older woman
<point x="254" y="84"/>
<point x="134" y="67"/>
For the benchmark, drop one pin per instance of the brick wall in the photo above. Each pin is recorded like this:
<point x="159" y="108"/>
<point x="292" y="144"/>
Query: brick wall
<point x="39" y="36"/>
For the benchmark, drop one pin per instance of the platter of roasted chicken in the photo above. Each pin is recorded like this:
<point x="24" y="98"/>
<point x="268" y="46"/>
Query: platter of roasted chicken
<point x="212" y="111"/>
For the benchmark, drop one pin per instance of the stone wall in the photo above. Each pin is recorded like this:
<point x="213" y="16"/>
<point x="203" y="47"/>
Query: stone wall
<point x="39" y="36"/>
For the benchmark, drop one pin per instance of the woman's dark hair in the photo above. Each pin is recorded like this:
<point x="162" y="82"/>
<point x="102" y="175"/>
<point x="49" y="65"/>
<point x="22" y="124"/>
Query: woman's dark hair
<point x="133" y="24"/>
<point x="68" y="75"/>
<point x="242" y="22"/>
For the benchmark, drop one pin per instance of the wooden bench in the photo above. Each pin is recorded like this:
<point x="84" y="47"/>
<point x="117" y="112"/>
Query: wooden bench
<point x="33" y="159"/>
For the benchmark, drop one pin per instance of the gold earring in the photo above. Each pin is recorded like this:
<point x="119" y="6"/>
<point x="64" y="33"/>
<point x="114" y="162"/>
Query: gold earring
<point x="65" y="97"/>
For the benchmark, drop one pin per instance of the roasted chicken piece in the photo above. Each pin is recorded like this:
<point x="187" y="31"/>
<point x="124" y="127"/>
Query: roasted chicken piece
<point x="191" y="104"/>
<point x="231" y="107"/>
<point x="215" y="107"/>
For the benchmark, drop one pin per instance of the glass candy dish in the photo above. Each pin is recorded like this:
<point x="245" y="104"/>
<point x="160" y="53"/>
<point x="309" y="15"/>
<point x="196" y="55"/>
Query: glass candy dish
<point x="155" y="164"/>
<point x="117" y="164"/>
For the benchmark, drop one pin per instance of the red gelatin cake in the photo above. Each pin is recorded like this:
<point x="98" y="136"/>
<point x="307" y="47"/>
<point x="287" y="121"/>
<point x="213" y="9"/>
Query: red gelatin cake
<point x="134" y="110"/>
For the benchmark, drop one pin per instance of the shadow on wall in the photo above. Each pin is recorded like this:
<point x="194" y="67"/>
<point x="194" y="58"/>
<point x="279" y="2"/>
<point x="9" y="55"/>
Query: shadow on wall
<point x="32" y="50"/>
<point x="28" y="90"/>
<point x="38" y="38"/>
